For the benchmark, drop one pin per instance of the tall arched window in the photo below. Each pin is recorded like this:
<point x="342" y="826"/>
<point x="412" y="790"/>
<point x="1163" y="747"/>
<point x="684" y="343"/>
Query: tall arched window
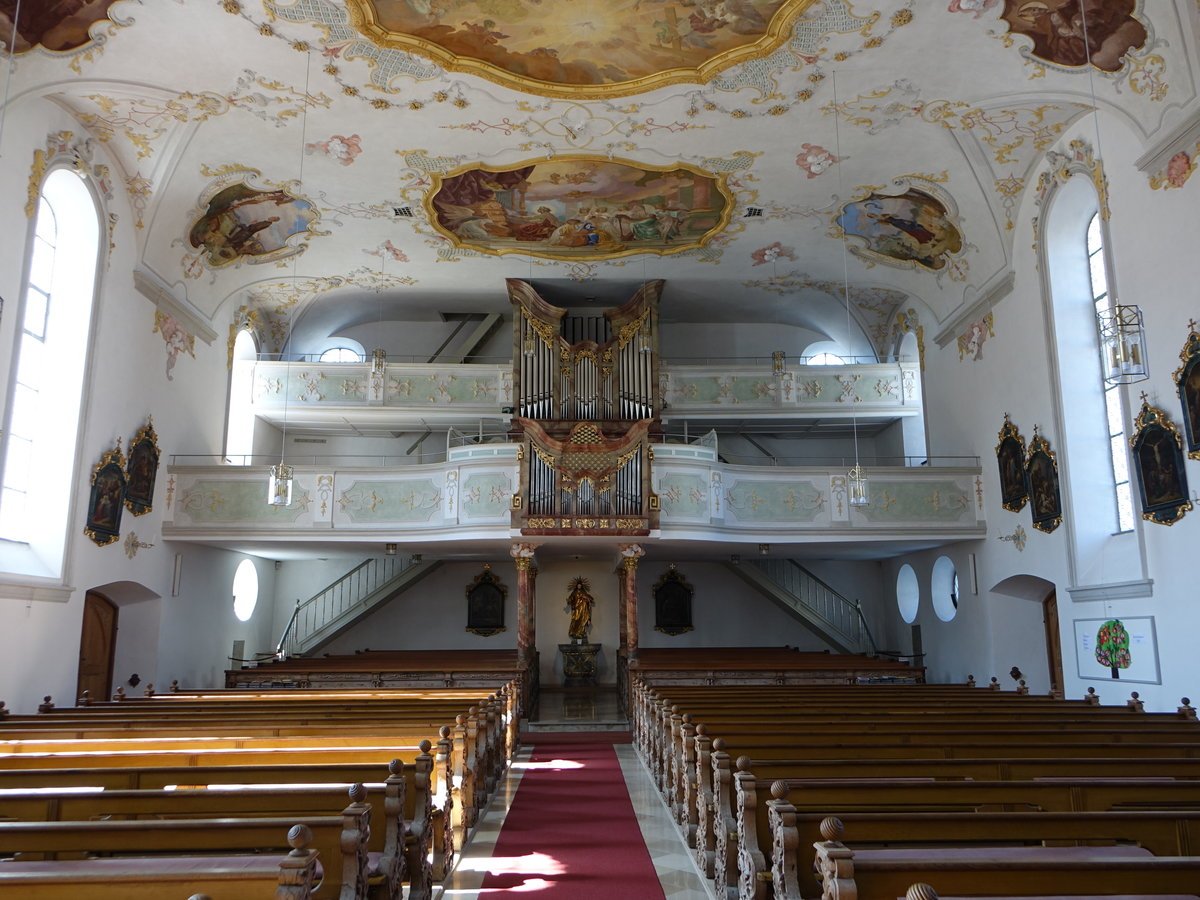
<point x="49" y="361"/>
<point x="1102" y="303"/>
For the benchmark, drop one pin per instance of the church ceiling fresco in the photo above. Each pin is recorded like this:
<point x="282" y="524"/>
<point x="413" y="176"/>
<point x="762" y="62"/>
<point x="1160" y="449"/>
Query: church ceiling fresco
<point x="579" y="208"/>
<point x="59" y="25"/>
<point x="614" y="48"/>
<point x="719" y="132"/>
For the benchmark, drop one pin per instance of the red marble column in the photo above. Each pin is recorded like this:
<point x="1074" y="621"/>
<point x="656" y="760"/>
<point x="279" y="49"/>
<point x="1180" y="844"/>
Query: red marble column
<point x="522" y="555"/>
<point x="630" y="554"/>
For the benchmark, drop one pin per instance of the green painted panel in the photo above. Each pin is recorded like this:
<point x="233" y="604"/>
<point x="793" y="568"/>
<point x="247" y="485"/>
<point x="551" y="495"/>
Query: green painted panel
<point x="486" y="494"/>
<point x="683" y="495"/>
<point x="440" y="389"/>
<point x="698" y="390"/>
<point x="414" y="500"/>
<point x="775" y="501"/>
<point x="922" y="501"/>
<point x="238" y="503"/>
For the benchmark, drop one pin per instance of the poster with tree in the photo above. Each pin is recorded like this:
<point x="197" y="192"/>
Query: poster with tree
<point x="1112" y="646"/>
<point x="1117" y="649"/>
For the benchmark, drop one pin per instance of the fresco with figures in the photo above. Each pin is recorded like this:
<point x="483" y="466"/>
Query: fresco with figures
<point x="910" y="227"/>
<point x="240" y="221"/>
<point x="582" y="48"/>
<point x="584" y="207"/>
<point x="1058" y="29"/>
<point x="54" y="24"/>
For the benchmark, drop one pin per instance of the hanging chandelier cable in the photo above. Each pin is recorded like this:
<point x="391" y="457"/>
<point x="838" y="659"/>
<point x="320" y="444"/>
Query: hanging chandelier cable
<point x="12" y="52"/>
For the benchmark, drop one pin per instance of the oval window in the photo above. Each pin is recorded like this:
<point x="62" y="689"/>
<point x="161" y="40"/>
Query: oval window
<point x="943" y="587"/>
<point x="245" y="590"/>
<point x="908" y="593"/>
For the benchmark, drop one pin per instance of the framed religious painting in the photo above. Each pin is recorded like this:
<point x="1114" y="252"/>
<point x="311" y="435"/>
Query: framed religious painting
<point x="1187" y="381"/>
<point x="1158" y="462"/>
<point x="1041" y="473"/>
<point x="1010" y="457"/>
<point x="141" y="470"/>
<point x="485" y="604"/>
<point x="673" y="603"/>
<point x="107" y="498"/>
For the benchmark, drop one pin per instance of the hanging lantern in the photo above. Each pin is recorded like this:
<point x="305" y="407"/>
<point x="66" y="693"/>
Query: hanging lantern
<point x="1123" y="344"/>
<point x="378" y="361"/>
<point x="860" y="492"/>
<point x="279" y="486"/>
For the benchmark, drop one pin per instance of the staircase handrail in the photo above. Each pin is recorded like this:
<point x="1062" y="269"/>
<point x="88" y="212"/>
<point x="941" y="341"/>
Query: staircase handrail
<point x="869" y="642"/>
<point x="290" y="641"/>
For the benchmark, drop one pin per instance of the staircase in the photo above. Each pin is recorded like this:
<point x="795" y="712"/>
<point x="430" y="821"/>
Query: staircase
<point x="366" y="587"/>
<point x="832" y="617"/>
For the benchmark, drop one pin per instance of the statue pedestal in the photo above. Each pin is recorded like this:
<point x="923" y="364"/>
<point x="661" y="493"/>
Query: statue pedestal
<point x="579" y="664"/>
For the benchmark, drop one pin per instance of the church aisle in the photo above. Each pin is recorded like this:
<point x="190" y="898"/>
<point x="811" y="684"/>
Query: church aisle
<point x="571" y="832"/>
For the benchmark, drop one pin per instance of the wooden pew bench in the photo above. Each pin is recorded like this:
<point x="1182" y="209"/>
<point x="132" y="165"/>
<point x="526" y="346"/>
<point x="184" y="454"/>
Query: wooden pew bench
<point x="45" y="850"/>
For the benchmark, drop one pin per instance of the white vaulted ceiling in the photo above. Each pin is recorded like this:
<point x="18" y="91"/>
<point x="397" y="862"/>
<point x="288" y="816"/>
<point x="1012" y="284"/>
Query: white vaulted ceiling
<point x="958" y="99"/>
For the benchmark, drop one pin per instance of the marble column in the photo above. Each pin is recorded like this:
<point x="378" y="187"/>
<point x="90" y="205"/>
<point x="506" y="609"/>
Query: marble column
<point x="630" y="554"/>
<point x="522" y="555"/>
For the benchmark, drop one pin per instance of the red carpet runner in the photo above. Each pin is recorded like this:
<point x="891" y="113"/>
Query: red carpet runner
<point x="570" y="833"/>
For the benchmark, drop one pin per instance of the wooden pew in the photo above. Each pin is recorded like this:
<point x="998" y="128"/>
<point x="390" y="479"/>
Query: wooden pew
<point x="44" y="850"/>
<point x="121" y="879"/>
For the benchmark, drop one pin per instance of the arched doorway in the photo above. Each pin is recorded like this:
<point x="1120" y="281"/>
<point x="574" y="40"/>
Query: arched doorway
<point x="1042" y="592"/>
<point x="118" y="637"/>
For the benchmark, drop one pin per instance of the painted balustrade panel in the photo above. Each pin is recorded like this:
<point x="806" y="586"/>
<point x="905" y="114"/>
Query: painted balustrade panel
<point x="829" y="389"/>
<point x="480" y="389"/>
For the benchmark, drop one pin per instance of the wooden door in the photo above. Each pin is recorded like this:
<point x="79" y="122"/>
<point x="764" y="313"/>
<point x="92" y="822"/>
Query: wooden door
<point x="1053" y="643"/>
<point x="97" y="646"/>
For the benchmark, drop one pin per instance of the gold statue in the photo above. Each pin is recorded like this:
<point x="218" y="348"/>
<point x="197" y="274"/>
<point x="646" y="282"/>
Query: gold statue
<point x="579" y="604"/>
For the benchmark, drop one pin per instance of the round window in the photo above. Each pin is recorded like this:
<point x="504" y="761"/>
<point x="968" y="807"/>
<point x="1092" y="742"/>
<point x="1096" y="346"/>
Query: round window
<point x="908" y="593"/>
<point x="245" y="590"/>
<point x="943" y="586"/>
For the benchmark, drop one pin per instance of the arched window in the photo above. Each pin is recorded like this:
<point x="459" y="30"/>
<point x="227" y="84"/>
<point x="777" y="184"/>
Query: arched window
<point x="826" y="359"/>
<point x="239" y="432"/>
<point x="340" y="354"/>
<point x="49" y="356"/>
<point x="1102" y="303"/>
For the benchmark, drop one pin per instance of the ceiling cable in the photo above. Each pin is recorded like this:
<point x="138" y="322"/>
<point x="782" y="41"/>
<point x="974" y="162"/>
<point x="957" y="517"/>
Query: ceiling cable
<point x="12" y="52"/>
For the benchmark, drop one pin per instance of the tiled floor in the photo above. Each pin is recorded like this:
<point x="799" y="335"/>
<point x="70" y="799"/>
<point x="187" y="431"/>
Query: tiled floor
<point x="563" y="710"/>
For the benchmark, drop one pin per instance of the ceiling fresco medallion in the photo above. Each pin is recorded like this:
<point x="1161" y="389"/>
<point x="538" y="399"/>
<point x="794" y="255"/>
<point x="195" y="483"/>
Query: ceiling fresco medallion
<point x="587" y="207"/>
<point x="63" y="25"/>
<point x="908" y="229"/>
<point x="557" y="49"/>
<point x="1057" y="29"/>
<point x="243" y="222"/>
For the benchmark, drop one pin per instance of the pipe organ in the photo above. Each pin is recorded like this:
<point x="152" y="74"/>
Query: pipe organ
<point x="586" y="410"/>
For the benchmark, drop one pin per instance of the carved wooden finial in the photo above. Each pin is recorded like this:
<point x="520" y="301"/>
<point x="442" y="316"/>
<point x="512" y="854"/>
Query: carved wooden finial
<point x="1134" y="704"/>
<point x="1091" y="698"/>
<point x="424" y="746"/>
<point x="444" y="731"/>
<point x="175" y="686"/>
<point x="832" y="828"/>
<point x="1186" y="710"/>
<point x="46" y="705"/>
<point x="396" y="767"/>
<point x="701" y="729"/>
<point x="920" y="891"/>
<point x="743" y="764"/>
<point x="1022" y="688"/>
<point x="995" y="684"/>
<point x="970" y="681"/>
<point x="460" y="719"/>
<point x="149" y="692"/>
<point x="85" y="699"/>
<point x="120" y="694"/>
<point x="779" y="790"/>
<point x="718" y="743"/>
<point x="687" y="718"/>
<point x="4" y="711"/>
<point x="357" y="792"/>
<point x="299" y="837"/>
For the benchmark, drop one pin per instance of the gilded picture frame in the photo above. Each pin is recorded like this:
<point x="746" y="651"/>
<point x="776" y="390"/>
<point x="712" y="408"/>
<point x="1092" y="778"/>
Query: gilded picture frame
<point x="141" y="470"/>
<point x="1010" y="457"/>
<point x="1158" y="463"/>
<point x="107" y="499"/>
<point x="1187" y="383"/>
<point x="1041" y="474"/>
<point x="486" y="596"/>
<point x="673" y="603"/>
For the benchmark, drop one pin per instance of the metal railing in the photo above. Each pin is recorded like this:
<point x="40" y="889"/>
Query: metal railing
<point x="806" y="590"/>
<point x="337" y="600"/>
